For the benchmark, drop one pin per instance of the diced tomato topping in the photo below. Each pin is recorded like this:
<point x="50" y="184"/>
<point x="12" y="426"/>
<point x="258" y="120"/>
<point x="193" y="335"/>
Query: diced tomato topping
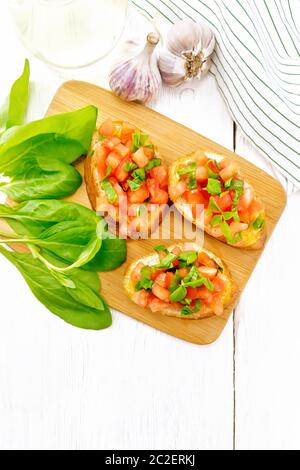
<point x="149" y="152"/>
<point x="246" y="199"/>
<point x="176" y="251"/>
<point x="205" y="295"/>
<point x="122" y="150"/>
<point x="100" y="156"/>
<point x="121" y="174"/>
<point x="140" y="158"/>
<point x="113" y="160"/>
<point x="155" y="275"/>
<point x="228" y="172"/>
<point x="208" y="272"/>
<point x="161" y="279"/>
<point x="138" y="196"/>
<point x="161" y="292"/>
<point x="158" y="196"/>
<point x="160" y="174"/>
<point x="195" y="196"/>
<point x="224" y="202"/>
<point x="107" y="128"/>
<point x="136" y="273"/>
<point x="157" y="305"/>
<point x="141" y="298"/>
<point x="202" y="175"/>
<point x="178" y="190"/>
<point x="205" y="260"/>
<point x="193" y="293"/>
<point x="237" y="227"/>
<point x="183" y="272"/>
<point x="169" y="278"/>
<point x="111" y="143"/>
<point x="213" y="167"/>
<point x="225" y="162"/>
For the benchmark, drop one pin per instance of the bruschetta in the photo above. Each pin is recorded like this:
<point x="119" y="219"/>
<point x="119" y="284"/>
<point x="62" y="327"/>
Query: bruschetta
<point x="182" y="281"/>
<point x="124" y="165"/>
<point x="212" y="193"/>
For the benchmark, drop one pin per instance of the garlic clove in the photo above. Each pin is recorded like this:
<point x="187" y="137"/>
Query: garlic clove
<point x="187" y="52"/>
<point x="138" y="78"/>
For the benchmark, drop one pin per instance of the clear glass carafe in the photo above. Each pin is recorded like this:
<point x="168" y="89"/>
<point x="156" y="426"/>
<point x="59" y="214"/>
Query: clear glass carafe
<point x="69" y="33"/>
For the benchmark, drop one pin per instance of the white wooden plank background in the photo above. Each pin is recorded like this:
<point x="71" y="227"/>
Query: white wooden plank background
<point x="131" y="387"/>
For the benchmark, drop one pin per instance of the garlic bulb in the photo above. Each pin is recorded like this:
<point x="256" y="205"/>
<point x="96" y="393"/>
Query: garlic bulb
<point x="137" y="78"/>
<point x="187" y="53"/>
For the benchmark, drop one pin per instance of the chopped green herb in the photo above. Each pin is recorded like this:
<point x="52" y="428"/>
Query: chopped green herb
<point x="101" y="137"/>
<point x="231" y="215"/>
<point x="91" y="153"/>
<point x="227" y="184"/>
<point x="139" y="177"/>
<point x="146" y="281"/>
<point x="134" y="184"/>
<point x="175" y="282"/>
<point x="226" y="231"/>
<point x="215" y="221"/>
<point x="213" y="206"/>
<point x="192" y="275"/>
<point x="178" y="295"/>
<point x="192" y="184"/>
<point x="187" y="169"/>
<point x="259" y="222"/>
<point x="212" y="174"/>
<point x="214" y="186"/>
<point x="109" y="190"/>
<point x="139" y="140"/>
<point x="188" y="257"/>
<point x="166" y="262"/>
<point x="186" y="311"/>
<point x="129" y="166"/>
<point x="153" y="163"/>
<point x="199" y="282"/>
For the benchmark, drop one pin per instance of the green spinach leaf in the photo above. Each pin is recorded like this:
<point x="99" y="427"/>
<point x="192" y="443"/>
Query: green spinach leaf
<point x="81" y="306"/>
<point x="12" y="113"/>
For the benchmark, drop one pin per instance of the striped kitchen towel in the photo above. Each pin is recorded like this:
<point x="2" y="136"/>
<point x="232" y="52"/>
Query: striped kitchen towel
<point x="256" y="65"/>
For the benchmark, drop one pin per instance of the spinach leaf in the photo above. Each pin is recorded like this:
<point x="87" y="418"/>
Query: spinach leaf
<point x="81" y="306"/>
<point x="65" y="229"/>
<point x="76" y="126"/>
<point x="112" y="254"/>
<point x="13" y="111"/>
<point x="38" y="178"/>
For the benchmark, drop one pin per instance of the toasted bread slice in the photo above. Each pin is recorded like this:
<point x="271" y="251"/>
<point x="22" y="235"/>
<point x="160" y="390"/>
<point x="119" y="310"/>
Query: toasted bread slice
<point x="131" y="223"/>
<point x="227" y="296"/>
<point x="251" y="237"/>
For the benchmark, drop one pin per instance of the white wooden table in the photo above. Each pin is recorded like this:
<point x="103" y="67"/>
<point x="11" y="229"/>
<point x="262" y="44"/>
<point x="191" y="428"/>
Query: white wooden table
<point x="131" y="387"/>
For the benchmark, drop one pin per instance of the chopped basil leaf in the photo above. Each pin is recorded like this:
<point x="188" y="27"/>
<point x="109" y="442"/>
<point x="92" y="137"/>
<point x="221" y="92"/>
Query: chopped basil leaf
<point x="192" y="184"/>
<point x="212" y="174"/>
<point x="153" y="163"/>
<point x="213" y="206"/>
<point x="139" y="140"/>
<point x="146" y="281"/>
<point x="231" y="215"/>
<point x="161" y="248"/>
<point x="214" y="186"/>
<point x="192" y="275"/>
<point x="226" y="231"/>
<point x="227" y="184"/>
<point x="187" y="169"/>
<point x="134" y="184"/>
<point x="91" y="153"/>
<point x="188" y="257"/>
<point x="259" y="222"/>
<point x="186" y="302"/>
<point x="175" y="282"/>
<point x="178" y="295"/>
<point x="109" y="191"/>
<point x="199" y="282"/>
<point x="166" y="262"/>
<point x="129" y="166"/>
<point x="186" y="311"/>
<point x="215" y="221"/>
<point x="197" y="306"/>
<point x="139" y="177"/>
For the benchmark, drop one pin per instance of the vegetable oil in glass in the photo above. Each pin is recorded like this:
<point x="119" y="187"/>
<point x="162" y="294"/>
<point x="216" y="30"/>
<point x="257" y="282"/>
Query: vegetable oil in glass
<point x="69" y="33"/>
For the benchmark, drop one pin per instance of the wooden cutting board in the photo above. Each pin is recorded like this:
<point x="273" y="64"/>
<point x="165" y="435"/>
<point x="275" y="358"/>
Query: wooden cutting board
<point x="173" y="141"/>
